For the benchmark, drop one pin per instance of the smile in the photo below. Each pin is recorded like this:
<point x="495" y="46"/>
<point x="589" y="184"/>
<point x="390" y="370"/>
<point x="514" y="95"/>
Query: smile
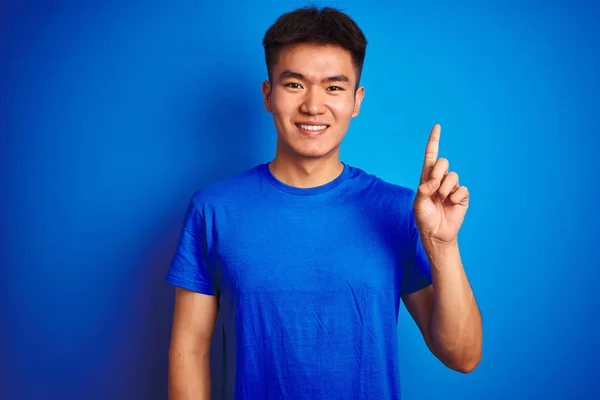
<point x="312" y="129"/>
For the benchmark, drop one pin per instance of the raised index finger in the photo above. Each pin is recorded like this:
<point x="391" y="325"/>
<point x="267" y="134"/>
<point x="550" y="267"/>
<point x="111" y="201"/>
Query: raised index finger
<point x="431" y="152"/>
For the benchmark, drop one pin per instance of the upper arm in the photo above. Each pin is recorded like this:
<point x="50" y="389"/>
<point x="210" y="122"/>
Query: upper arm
<point x="196" y="295"/>
<point x="417" y="287"/>
<point x="420" y="307"/>
<point x="193" y="321"/>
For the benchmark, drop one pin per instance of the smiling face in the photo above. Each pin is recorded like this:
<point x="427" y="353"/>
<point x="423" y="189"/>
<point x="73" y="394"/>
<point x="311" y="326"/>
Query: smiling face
<point x="312" y="98"/>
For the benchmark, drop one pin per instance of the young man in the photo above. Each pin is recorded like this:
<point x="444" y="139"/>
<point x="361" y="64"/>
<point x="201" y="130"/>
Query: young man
<point x="307" y="258"/>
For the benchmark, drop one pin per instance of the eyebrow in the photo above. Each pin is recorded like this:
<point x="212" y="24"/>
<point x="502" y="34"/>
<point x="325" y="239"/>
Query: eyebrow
<point x="296" y="75"/>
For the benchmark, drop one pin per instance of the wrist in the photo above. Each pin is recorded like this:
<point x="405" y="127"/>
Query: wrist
<point x="437" y="245"/>
<point x="438" y="251"/>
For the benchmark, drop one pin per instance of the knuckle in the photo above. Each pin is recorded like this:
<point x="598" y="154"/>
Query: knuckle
<point x="442" y="164"/>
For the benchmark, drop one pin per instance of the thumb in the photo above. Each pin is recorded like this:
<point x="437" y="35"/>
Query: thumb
<point x="427" y="189"/>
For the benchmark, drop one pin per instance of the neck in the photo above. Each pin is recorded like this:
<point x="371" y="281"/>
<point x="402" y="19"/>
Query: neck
<point x="306" y="172"/>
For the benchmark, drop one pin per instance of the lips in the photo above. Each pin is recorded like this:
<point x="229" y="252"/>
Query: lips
<point x="312" y="129"/>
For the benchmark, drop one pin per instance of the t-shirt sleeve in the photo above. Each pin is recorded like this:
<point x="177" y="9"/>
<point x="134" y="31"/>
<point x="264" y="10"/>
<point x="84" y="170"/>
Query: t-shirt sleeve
<point x="189" y="267"/>
<point x="418" y="269"/>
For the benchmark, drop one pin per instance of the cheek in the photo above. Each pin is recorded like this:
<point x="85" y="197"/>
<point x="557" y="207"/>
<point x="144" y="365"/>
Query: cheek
<point x="283" y="104"/>
<point x="342" y="108"/>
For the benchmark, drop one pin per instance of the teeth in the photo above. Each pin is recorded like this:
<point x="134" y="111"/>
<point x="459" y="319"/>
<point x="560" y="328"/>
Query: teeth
<point x="312" y="127"/>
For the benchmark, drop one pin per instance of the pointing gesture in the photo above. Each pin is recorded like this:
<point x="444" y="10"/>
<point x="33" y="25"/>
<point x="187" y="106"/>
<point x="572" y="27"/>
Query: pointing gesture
<point x="441" y="203"/>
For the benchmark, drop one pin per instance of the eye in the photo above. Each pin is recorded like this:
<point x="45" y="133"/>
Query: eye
<point x="293" y="85"/>
<point x="335" y="88"/>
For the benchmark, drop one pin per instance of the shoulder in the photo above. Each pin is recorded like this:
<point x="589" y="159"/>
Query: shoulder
<point x="376" y="188"/>
<point x="230" y="190"/>
<point x="388" y="203"/>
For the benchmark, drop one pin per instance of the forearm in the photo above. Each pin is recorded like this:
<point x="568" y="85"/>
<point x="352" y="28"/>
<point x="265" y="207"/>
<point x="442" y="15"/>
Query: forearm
<point x="189" y="375"/>
<point x="456" y="321"/>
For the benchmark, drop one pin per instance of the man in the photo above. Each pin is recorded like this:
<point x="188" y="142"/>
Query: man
<point x="307" y="258"/>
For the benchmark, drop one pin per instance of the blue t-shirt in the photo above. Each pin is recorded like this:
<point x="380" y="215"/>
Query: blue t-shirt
<point x="309" y="281"/>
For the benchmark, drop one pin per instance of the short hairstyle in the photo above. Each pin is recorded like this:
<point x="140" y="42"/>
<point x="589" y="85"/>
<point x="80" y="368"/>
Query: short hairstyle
<point x="320" y="26"/>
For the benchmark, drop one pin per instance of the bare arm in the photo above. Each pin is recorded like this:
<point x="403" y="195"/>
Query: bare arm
<point x="447" y="313"/>
<point x="189" y="353"/>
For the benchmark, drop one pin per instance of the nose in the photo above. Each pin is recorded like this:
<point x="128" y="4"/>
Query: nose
<point x="314" y="102"/>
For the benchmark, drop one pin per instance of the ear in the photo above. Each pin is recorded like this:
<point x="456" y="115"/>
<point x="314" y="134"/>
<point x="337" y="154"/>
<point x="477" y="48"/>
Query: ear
<point x="358" y="98"/>
<point x="266" y="90"/>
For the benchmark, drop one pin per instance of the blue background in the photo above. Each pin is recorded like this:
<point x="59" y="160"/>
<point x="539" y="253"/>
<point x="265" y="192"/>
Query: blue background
<point x="112" y="115"/>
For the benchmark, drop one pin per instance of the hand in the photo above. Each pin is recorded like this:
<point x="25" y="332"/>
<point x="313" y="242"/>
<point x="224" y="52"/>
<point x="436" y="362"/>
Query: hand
<point x="440" y="204"/>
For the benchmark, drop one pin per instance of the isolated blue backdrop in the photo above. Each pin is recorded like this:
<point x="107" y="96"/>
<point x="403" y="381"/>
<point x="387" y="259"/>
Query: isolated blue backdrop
<point x="112" y="115"/>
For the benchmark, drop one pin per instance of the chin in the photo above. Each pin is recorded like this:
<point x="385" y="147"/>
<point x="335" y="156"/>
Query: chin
<point x="309" y="149"/>
<point x="314" y="152"/>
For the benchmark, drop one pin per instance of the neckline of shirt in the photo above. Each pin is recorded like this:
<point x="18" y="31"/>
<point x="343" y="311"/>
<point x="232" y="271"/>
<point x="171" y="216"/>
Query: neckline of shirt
<point x="305" y="191"/>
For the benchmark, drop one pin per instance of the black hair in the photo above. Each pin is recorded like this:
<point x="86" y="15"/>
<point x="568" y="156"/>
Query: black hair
<point x="313" y="25"/>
